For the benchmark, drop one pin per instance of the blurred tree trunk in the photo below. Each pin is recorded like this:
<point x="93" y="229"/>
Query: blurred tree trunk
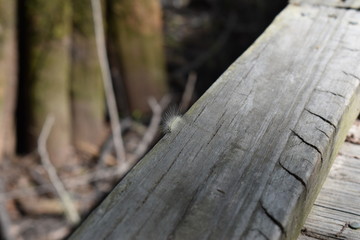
<point x="135" y="29"/>
<point x="88" y="106"/>
<point x="8" y="75"/>
<point x="47" y="27"/>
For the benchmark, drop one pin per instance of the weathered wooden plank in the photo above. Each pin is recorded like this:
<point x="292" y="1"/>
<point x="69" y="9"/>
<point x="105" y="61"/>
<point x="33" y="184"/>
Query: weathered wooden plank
<point x="337" y="205"/>
<point x="248" y="159"/>
<point x="355" y="4"/>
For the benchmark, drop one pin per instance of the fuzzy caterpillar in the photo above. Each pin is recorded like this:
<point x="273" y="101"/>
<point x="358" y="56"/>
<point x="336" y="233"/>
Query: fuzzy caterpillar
<point x="172" y="121"/>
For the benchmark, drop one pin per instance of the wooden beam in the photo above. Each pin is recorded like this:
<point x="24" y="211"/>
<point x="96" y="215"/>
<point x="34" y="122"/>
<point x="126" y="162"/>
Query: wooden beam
<point x="355" y="4"/>
<point x="337" y="204"/>
<point x="248" y="159"/>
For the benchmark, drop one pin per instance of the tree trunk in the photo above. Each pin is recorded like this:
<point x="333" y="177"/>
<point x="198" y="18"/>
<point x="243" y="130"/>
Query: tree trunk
<point x="46" y="63"/>
<point x="8" y="75"/>
<point x="87" y="91"/>
<point x="135" y="29"/>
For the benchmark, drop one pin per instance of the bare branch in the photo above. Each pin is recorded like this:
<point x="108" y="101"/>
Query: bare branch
<point x="188" y="92"/>
<point x="69" y="207"/>
<point x="157" y="109"/>
<point x="108" y="144"/>
<point x="102" y="174"/>
<point x="109" y="89"/>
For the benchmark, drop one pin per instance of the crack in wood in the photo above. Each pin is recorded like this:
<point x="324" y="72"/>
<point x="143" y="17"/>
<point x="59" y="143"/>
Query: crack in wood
<point x="342" y="230"/>
<point x="346" y="8"/>
<point x="351" y="49"/>
<point x="201" y="111"/>
<point x="278" y="223"/>
<point x="194" y="197"/>
<point x="187" y="208"/>
<point x="158" y="181"/>
<point x="348" y="155"/>
<point x="220" y="191"/>
<point x="217" y="130"/>
<point x="261" y="233"/>
<point x="294" y="175"/>
<point x="318" y="5"/>
<point x="309" y="144"/>
<point x="323" y="132"/>
<point x="326" y="91"/>
<point x="336" y="209"/>
<point x="318" y="236"/>
<point x="322" y="118"/>
<point x="352" y="75"/>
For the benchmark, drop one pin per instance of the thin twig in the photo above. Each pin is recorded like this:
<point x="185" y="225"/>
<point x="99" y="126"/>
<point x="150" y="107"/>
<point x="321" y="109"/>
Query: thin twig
<point x="69" y="207"/>
<point x="188" y="92"/>
<point x="102" y="174"/>
<point x="98" y="174"/>
<point x="108" y="85"/>
<point x="73" y="182"/>
<point x="108" y="144"/>
<point x="157" y="109"/>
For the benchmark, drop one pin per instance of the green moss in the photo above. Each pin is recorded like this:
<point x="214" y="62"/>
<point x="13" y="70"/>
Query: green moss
<point x="7" y="22"/>
<point x="49" y="84"/>
<point x="82" y="18"/>
<point x="87" y="93"/>
<point x="47" y="19"/>
<point x="86" y="82"/>
<point x="47" y="73"/>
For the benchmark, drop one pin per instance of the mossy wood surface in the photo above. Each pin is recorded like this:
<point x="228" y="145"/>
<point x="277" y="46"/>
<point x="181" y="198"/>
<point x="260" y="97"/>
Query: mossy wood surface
<point x="250" y="156"/>
<point x="87" y="92"/>
<point x="8" y="75"/>
<point x="48" y="25"/>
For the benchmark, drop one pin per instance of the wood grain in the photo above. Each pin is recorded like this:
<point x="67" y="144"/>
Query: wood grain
<point x="337" y="205"/>
<point x="251" y="154"/>
<point x="355" y="4"/>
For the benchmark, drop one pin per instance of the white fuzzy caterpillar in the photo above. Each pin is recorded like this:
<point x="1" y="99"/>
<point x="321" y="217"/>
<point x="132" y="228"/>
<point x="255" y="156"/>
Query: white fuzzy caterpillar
<point x="172" y="121"/>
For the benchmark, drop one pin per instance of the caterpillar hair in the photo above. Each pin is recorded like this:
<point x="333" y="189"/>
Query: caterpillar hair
<point x="171" y="120"/>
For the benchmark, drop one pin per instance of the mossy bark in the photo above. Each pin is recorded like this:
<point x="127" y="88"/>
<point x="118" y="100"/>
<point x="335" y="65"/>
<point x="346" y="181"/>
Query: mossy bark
<point x="87" y="93"/>
<point x="135" y="29"/>
<point x="48" y="25"/>
<point x="8" y="76"/>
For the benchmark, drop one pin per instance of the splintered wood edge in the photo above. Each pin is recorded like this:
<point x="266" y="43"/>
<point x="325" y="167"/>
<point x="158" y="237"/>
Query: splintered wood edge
<point x="250" y="156"/>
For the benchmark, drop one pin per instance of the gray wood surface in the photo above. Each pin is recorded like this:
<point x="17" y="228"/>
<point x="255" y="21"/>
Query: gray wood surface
<point x="338" y="202"/>
<point x="249" y="157"/>
<point x="355" y="4"/>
